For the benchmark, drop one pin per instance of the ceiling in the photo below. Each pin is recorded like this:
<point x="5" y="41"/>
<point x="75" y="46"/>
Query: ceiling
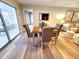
<point x="57" y="3"/>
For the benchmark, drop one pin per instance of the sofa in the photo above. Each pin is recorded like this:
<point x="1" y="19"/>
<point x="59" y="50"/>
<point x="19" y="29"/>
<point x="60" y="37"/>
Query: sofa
<point x="76" y="38"/>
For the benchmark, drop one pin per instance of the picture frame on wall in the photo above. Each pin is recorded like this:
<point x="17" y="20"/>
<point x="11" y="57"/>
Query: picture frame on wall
<point x="44" y="16"/>
<point x="69" y="15"/>
<point x="75" y="16"/>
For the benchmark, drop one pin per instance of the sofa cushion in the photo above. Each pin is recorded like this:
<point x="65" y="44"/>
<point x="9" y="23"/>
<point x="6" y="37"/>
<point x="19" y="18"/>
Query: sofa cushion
<point x="77" y="31"/>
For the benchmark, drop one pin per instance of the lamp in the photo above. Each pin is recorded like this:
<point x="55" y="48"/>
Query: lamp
<point x="62" y="21"/>
<point x="60" y="17"/>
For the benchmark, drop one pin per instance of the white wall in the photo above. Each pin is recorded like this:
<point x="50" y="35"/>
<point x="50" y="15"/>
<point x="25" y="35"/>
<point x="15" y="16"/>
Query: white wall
<point x="53" y="12"/>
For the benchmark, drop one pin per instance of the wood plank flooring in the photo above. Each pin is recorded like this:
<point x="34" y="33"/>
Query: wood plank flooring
<point x="36" y="52"/>
<point x="65" y="49"/>
<point x="22" y="48"/>
<point x="16" y="49"/>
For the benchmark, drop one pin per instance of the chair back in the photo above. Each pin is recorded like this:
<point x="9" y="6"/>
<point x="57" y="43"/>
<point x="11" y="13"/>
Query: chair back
<point x="58" y="28"/>
<point x="41" y="25"/>
<point x="46" y="34"/>
<point x="27" y="29"/>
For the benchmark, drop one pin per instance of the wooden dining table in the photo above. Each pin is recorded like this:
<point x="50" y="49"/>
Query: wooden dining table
<point x="36" y="30"/>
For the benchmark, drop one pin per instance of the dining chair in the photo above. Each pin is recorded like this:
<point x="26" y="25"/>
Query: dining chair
<point x="29" y="33"/>
<point x="56" y="31"/>
<point x="46" y="36"/>
<point x="26" y="26"/>
<point x="41" y="25"/>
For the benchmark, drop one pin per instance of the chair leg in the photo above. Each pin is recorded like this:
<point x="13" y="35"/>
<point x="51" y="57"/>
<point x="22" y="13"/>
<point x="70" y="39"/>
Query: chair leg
<point x="33" y="39"/>
<point x="40" y="43"/>
<point x="55" y="40"/>
<point x="43" y="45"/>
<point x="39" y="39"/>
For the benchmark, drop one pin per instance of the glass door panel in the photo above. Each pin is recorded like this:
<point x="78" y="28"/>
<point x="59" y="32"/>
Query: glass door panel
<point x="10" y="19"/>
<point x="11" y="23"/>
<point x="3" y="36"/>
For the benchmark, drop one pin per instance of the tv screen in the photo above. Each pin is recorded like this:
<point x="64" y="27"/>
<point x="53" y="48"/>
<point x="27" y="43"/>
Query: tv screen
<point x="45" y="16"/>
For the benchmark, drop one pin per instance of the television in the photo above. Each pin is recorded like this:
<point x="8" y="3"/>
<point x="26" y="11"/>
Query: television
<point x="45" y="16"/>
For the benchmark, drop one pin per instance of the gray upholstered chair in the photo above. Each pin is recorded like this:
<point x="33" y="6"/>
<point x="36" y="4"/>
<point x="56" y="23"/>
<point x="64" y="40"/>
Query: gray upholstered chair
<point x="41" y="25"/>
<point x="56" y="31"/>
<point x="27" y="30"/>
<point x="46" y="35"/>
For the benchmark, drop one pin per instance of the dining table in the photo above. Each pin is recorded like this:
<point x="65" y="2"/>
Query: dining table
<point x="36" y="30"/>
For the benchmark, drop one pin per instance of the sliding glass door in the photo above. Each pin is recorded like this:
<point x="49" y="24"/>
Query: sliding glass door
<point x="3" y="36"/>
<point x="11" y="22"/>
<point x="8" y="24"/>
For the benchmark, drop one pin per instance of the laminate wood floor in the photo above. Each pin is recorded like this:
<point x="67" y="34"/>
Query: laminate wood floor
<point x="36" y="52"/>
<point x="22" y="48"/>
<point x="65" y="48"/>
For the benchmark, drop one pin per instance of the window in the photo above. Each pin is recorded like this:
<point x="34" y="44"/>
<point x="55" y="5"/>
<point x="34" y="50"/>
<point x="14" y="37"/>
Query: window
<point x="29" y="17"/>
<point x="9" y="25"/>
<point x="3" y="36"/>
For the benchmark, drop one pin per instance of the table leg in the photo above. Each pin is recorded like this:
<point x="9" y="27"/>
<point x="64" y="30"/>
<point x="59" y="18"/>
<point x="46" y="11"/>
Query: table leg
<point x="33" y="38"/>
<point x="39" y="39"/>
